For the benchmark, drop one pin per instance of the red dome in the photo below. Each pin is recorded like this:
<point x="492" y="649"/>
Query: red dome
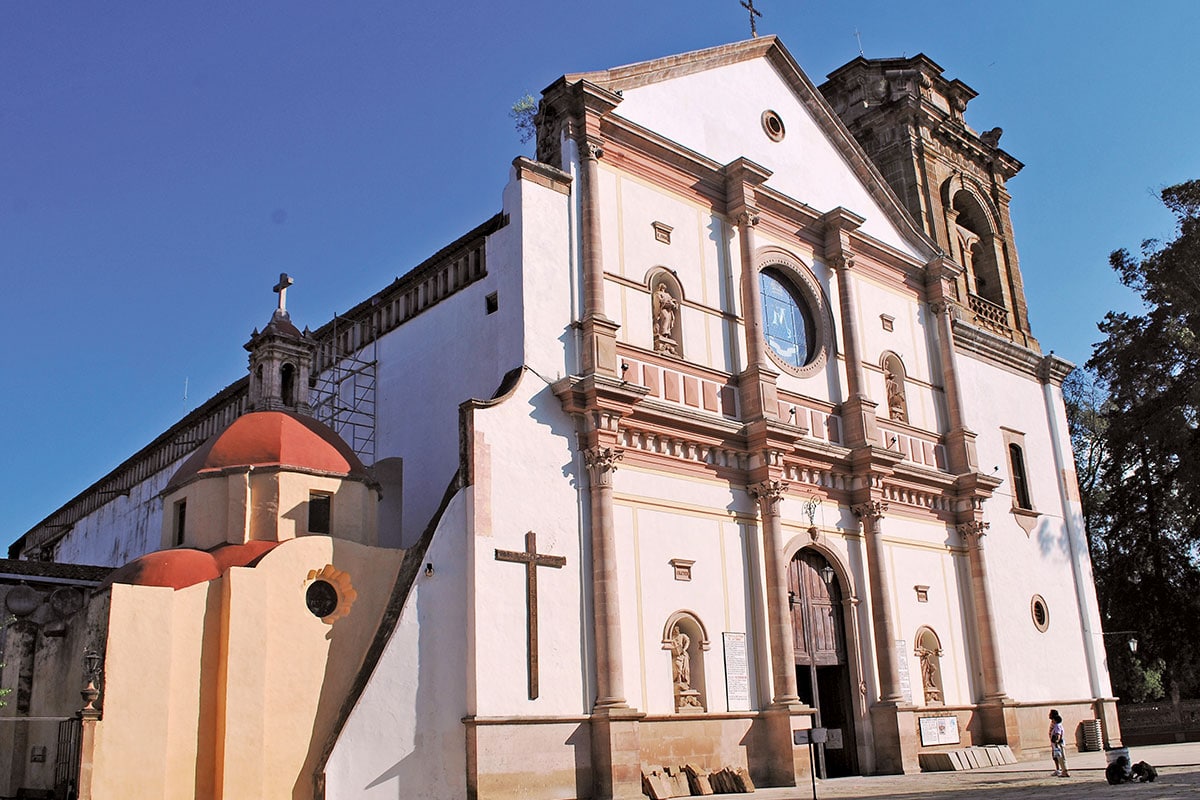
<point x="272" y="439"/>
<point x="185" y="566"/>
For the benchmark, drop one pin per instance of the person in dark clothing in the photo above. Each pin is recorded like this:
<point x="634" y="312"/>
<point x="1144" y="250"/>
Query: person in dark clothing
<point x="1143" y="772"/>
<point x="1118" y="771"/>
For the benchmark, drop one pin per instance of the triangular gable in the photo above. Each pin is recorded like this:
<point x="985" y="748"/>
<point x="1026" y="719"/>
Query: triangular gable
<point x="818" y="162"/>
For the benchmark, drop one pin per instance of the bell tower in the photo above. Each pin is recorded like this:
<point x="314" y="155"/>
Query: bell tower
<point x="909" y="119"/>
<point x="280" y="361"/>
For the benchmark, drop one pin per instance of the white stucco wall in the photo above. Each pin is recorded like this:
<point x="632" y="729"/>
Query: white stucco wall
<point x="122" y="529"/>
<point x="405" y="737"/>
<point x="718" y="113"/>
<point x="529" y="478"/>
<point x="1022" y="564"/>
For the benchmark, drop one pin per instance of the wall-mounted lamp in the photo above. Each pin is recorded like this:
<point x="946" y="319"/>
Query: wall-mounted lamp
<point x="91" y="673"/>
<point x="91" y="665"/>
<point x="1131" y="641"/>
<point x="828" y="575"/>
<point x="624" y="368"/>
<point x="893" y="441"/>
<point x="428" y="569"/>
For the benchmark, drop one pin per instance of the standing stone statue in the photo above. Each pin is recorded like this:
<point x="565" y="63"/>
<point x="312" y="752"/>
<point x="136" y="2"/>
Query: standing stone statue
<point x="665" y="308"/>
<point x="682" y="668"/>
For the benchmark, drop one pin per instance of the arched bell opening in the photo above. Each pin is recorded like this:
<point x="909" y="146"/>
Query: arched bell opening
<point x="287" y="385"/>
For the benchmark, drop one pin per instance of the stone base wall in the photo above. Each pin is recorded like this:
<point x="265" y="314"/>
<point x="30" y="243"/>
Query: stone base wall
<point x="537" y="760"/>
<point x="704" y="741"/>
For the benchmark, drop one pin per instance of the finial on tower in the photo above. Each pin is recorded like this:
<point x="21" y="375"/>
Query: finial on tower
<point x="281" y="288"/>
<point x="754" y="12"/>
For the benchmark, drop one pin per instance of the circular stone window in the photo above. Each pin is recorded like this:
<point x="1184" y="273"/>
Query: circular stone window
<point x="787" y="321"/>
<point x="1040" y="613"/>
<point x="773" y="125"/>
<point x="322" y="598"/>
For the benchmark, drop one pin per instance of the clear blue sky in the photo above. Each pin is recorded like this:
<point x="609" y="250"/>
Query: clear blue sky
<point x="162" y="163"/>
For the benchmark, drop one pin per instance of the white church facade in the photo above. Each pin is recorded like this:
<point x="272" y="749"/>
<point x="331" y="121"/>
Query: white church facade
<point x="730" y="424"/>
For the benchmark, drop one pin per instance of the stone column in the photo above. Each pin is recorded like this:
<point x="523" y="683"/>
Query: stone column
<point x="842" y="264"/>
<point x="599" y="332"/>
<point x="769" y="494"/>
<point x="750" y="290"/>
<point x="610" y="692"/>
<point x="756" y="383"/>
<point x="615" y="739"/>
<point x="960" y="442"/>
<point x="871" y="513"/>
<point x="993" y="679"/>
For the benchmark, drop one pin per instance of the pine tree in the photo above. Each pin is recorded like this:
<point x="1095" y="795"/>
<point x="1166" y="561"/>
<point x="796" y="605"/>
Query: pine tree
<point x="1140" y="461"/>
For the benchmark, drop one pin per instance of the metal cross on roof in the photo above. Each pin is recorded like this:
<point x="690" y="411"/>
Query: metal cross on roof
<point x="281" y="288"/>
<point x="754" y="12"/>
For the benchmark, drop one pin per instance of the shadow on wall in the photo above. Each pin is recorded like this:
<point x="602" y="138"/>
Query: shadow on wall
<point x="1051" y="538"/>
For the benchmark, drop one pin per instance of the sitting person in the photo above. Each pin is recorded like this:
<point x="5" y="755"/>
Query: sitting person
<point x="1118" y="771"/>
<point x="1143" y="772"/>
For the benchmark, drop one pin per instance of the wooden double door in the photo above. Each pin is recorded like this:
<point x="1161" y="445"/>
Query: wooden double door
<point x="822" y="666"/>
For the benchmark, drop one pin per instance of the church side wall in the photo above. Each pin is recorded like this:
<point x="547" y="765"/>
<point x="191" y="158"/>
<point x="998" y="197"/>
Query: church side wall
<point x="456" y="351"/>
<point x="404" y="737"/>
<point x="122" y="529"/>
<point x="1031" y="660"/>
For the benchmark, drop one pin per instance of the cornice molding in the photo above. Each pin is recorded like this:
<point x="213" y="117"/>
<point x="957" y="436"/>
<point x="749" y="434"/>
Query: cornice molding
<point x="991" y="347"/>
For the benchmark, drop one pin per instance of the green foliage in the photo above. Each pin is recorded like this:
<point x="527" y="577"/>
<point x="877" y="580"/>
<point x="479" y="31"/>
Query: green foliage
<point x="3" y="691"/>
<point x="523" y="113"/>
<point x="1135" y="423"/>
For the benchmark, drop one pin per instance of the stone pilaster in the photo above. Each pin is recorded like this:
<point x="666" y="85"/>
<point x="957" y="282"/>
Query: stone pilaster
<point x="996" y="709"/>
<point x="769" y="494"/>
<point x="601" y="463"/>
<point x="599" y="332"/>
<point x="871" y="514"/>
<point x="858" y="411"/>
<point x="960" y="441"/>
<point x="757" y="382"/>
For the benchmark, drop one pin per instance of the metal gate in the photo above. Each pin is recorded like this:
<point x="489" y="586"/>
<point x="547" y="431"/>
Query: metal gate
<point x="66" y="760"/>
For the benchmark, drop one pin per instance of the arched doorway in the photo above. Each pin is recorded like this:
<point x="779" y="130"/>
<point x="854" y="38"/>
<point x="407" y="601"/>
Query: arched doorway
<point x="822" y="665"/>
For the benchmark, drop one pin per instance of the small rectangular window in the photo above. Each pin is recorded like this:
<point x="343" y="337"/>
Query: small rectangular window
<point x="492" y="302"/>
<point x="1020" y="481"/>
<point x="180" y="521"/>
<point x="318" y="512"/>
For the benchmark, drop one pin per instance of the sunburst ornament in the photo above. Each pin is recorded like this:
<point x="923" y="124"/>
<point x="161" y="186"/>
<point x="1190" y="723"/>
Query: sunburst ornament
<point x="330" y="593"/>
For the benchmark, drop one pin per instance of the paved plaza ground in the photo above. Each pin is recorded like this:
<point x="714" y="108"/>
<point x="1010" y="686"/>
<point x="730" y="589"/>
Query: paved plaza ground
<point x="1178" y="776"/>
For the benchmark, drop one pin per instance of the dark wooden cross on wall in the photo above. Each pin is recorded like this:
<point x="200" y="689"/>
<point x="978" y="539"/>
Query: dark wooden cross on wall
<point x="532" y="560"/>
<point x="754" y="12"/>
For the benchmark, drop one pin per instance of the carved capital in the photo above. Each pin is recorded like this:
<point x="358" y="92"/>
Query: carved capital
<point x="590" y="149"/>
<point x="840" y="262"/>
<point x="748" y="218"/>
<point x="601" y="463"/>
<point x="941" y="308"/>
<point x="872" y="510"/>
<point x="768" y="493"/>
<point x="973" y="531"/>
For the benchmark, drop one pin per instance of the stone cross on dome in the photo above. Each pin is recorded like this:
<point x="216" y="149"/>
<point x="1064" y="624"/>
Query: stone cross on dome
<point x="281" y="288"/>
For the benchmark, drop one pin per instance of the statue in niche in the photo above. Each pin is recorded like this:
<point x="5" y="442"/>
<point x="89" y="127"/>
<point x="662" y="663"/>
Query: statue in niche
<point x="665" y="309"/>
<point x="897" y="408"/>
<point x="687" y="699"/>
<point x="929" y="674"/>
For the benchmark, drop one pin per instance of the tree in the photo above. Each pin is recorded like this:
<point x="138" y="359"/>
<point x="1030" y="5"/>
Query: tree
<point x="5" y="692"/>
<point x="1136" y="427"/>
<point x="523" y="112"/>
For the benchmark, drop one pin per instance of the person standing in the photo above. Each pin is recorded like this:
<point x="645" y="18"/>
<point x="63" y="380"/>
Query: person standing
<point x="1058" y="749"/>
